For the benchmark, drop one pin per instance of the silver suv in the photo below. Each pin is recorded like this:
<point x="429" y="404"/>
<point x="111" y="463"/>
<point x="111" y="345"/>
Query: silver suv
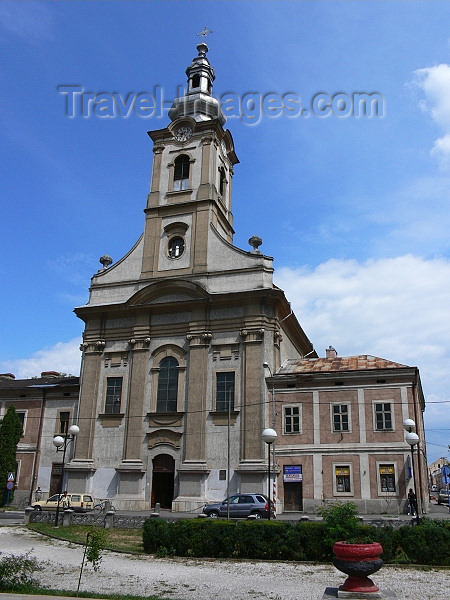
<point x="241" y="505"/>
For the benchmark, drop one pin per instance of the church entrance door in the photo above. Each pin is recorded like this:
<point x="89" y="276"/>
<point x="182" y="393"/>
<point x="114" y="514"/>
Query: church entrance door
<point x="163" y="480"/>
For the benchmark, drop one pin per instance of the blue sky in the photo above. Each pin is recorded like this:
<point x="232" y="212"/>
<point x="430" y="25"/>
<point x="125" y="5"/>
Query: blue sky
<point x="355" y="210"/>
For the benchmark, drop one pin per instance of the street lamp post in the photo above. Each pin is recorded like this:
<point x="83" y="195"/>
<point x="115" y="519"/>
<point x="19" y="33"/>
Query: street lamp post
<point x="61" y="443"/>
<point x="269" y="436"/>
<point x="272" y="392"/>
<point x="413" y="439"/>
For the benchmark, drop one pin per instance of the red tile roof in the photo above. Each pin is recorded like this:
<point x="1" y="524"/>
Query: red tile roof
<point x="362" y="362"/>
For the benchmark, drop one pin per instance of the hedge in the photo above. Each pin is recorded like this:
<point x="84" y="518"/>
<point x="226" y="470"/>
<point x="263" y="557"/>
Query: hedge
<point x="426" y="544"/>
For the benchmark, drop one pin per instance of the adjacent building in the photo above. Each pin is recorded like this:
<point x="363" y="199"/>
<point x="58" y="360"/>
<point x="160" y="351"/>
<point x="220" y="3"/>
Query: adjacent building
<point x="341" y="436"/>
<point x="47" y="406"/>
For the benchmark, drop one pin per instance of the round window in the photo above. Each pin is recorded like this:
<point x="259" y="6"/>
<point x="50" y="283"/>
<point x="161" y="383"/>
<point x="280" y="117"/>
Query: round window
<point x="176" y="247"/>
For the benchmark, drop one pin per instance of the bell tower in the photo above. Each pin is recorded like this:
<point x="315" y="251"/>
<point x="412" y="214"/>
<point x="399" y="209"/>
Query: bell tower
<point x="191" y="185"/>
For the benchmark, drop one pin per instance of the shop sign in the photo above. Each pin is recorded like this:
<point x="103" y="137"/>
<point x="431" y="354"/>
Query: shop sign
<point x="292" y="473"/>
<point x="343" y="471"/>
<point x="387" y="470"/>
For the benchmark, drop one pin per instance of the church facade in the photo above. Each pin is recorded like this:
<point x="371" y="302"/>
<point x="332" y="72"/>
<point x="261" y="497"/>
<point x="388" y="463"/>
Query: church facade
<point x="173" y="397"/>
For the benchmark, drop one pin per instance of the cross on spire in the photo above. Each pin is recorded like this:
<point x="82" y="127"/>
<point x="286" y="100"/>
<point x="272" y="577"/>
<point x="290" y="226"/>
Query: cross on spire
<point x="204" y="33"/>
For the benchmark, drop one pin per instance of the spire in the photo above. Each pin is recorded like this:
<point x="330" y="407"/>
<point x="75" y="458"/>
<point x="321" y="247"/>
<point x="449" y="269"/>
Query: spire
<point x="198" y="101"/>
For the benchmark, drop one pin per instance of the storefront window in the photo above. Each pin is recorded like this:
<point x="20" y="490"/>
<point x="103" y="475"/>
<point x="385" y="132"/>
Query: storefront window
<point x="342" y="474"/>
<point x="387" y="478"/>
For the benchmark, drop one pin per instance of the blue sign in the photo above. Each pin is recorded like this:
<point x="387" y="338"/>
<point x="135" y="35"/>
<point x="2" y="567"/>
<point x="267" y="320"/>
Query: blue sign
<point x="445" y="474"/>
<point x="292" y="473"/>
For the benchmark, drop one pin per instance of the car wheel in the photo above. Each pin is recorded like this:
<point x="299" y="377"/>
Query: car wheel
<point x="213" y="514"/>
<point x="37" y="507"/>
<point x="257" y="515"/>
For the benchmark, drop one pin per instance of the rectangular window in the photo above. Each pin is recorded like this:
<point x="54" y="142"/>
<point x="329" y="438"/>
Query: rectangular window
<point x="64" y="418"/>
<point x="387" y="478"/>
<point x="21" y="416"/>
<point x="225" y="391"/>
<point x="383" y="416"/>
<point x="342" y="475"/>
<point x="222" y="475"/>
<point x="340" y="417"/>
<point x="113" y="395"/>
<point x="292" y="419"/>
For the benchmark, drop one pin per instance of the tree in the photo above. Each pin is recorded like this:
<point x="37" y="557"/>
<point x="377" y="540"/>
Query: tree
<point x="10" y="434"/>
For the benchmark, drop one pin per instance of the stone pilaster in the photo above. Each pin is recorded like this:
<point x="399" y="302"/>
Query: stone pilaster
<point x="252" y="421"/>
<point x="196" y="405"/>
<point x="91" y="374"/>
<point x="138" y="370"/>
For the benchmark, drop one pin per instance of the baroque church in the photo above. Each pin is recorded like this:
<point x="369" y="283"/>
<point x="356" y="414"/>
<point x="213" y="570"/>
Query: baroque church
<point x="173" y="396"/>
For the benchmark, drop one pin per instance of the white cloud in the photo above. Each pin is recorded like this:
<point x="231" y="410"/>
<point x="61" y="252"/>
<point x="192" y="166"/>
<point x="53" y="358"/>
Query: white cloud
<point x="435" y="83"/>
<point x="64" y="357"/>
<point x="396" y="308"/>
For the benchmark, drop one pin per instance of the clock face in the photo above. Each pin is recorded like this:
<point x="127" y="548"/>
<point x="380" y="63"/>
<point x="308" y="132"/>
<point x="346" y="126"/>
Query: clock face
<point x="183" y="133"/>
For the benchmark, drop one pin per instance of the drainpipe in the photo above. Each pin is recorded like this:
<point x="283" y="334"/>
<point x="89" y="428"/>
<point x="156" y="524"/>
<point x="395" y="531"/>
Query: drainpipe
<point x="419" y="466"/>
<point x="38" y="446"/>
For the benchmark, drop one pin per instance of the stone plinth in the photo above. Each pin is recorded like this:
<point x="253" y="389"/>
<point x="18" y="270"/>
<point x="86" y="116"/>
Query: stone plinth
<point x="334" y="592"/>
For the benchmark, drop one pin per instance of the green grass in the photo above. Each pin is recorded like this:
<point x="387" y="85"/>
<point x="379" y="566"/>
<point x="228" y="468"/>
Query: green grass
<point x="36" y="591"/>
<point x="119" y="540"/>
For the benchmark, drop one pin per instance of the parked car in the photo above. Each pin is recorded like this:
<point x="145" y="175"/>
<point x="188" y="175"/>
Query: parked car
<point x="442" y="497"/>
<point x="241" y="505"/>
<point x="78" y="502"/>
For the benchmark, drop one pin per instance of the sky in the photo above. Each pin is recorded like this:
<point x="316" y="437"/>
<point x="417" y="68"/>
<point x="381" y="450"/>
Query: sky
<point x="352" y="205"/>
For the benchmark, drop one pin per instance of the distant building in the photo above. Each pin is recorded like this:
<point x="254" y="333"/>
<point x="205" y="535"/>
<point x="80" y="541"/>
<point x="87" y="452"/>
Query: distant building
<point x="340" y="432"/>
<point x="435" y="473"/>
<point x="47" y="406"/>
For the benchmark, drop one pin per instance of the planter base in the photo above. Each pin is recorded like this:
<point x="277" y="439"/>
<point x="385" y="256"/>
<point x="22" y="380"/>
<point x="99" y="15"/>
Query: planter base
<point x="331" y="593"/>
<point x="362" y="585"/>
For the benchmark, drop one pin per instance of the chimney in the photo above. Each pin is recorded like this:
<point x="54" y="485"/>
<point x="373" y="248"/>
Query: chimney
<point x="7" y="376"/>
<point x="331" y="352"/>
<point x="50" y="374"/>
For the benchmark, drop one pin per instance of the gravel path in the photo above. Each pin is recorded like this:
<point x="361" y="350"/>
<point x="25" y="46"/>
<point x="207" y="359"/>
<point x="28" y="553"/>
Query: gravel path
<point x="194" y="579"/>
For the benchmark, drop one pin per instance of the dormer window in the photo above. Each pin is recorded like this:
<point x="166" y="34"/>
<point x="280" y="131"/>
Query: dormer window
<point x="181" y="173"/>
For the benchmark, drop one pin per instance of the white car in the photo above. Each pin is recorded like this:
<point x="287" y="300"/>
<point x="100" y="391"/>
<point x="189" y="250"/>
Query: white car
<point x="78" y="502"/>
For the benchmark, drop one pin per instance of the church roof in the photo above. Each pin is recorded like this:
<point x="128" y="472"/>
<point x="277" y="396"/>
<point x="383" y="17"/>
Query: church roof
<point x="9" y="382"/>
<point x="363" y="362"/>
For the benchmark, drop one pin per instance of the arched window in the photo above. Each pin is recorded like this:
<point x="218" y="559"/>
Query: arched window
<point x="166" y="399"/>
<point x="196" y="81"/>
<point x="222" y="180"/>
<point x="181" y="173"/>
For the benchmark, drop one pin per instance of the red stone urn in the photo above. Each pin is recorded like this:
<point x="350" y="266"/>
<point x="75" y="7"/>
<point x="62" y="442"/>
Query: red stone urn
<point x="358" y="561"/>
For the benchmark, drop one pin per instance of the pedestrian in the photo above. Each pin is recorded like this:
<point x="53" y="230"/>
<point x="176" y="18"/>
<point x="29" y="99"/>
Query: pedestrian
<point x="38" y="494"/>
<point x="412" y="503"/>
<point x="65" y="501"/>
